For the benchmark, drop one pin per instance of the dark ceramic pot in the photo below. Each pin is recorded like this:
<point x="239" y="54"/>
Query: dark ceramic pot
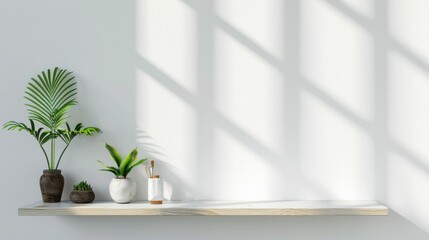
<point x="51" y="185"/>
<point x="82" y="196"/>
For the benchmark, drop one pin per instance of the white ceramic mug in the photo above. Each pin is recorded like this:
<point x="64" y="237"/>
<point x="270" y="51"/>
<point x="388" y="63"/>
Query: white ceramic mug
<point x="155" y="190"/>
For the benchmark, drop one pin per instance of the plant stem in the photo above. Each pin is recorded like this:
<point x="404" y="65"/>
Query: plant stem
<point x="52" y="154"/>
<point x="59" y="159"/>
<point x="46" y="156"/>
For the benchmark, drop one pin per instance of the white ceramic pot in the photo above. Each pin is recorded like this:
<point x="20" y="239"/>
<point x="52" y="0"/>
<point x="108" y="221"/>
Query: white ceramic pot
<point x="122" y="190"/>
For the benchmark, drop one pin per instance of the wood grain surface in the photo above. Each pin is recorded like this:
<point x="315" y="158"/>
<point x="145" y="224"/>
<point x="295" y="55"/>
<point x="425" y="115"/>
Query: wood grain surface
<point x="207" y="208"/>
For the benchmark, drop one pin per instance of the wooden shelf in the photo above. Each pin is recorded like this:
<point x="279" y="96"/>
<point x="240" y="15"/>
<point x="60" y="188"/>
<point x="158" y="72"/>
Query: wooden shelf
<point x="207" y="208"/>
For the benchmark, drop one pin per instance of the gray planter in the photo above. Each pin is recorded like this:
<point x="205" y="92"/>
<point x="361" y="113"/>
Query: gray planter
<point x="51" y="185"/>
<point x="82" y="196"/>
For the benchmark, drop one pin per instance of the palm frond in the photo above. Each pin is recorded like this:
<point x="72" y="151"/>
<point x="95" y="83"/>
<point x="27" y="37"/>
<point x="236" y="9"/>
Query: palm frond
<point x="67" y="135"/>
<point x="41" y="136"/>
<point x="12" y="125"/>
<point x="50" y="97"/>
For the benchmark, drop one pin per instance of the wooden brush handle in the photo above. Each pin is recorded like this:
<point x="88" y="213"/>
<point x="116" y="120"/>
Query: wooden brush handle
<point x="152" y="163"/>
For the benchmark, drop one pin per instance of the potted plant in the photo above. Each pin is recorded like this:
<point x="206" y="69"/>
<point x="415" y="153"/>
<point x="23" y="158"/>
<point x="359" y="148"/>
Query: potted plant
<point x="49" y="98"/>
<point x="82" y="193"/>
<point x="122" y="189"/>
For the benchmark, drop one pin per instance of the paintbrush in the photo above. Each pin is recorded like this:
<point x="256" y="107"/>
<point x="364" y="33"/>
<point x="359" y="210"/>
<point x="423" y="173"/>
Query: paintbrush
<point x="147" y="171"/>
<point x="152" y="164"/>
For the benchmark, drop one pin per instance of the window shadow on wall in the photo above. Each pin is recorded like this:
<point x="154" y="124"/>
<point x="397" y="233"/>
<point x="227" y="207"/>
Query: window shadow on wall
<point x="295" y="82"/>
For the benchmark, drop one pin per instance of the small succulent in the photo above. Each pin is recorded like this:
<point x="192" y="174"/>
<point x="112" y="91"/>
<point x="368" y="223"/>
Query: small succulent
<point x="125" y="165"/>
<point x="82" y="186"/>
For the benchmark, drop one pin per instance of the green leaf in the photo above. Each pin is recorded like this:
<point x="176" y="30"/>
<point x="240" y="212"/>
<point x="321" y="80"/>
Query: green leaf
<point x="38" y="106"/>
<point x="32" y="125"/>
<point x="68" y="127"/>
<point x="65" y="97"/>
<point x="123" y="168"/>
<point x="61" y="84"/>
<point x="41" y="137"/>
<point x="90" y="131"/>
<point x="39" y="131"/>
<point x="40" y="87"/>
<point x="136" y="164"/>
<point x="114" y="154"/>
<point x="78" y="127"/>
<point x="46" y="78"/>
<point x="108" y="167"/>
<point x="35" y="93"/>
<point x="108" y="170"/>
<point x="45" y="85"/>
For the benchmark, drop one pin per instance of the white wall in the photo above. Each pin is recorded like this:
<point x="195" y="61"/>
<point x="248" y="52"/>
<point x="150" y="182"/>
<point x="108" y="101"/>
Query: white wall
<point x="240" y="100"/>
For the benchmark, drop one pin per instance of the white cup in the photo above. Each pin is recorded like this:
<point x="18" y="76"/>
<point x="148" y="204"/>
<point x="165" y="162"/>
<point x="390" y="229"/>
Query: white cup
<point x="155" y="190"/>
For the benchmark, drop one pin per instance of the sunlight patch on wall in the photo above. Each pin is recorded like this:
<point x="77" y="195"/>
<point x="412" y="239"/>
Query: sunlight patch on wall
<point x="248" y="91"/>
<point x="363" y="7"/>
<point x="408" y="116"/>
<point x="166" y="36"/>
<point x="336" y="55"/>
<point x="336" y="154"/>
<point x="409" y="26"/>
<point x="408" y="105"/>
<point x="166" y="70"/>
<point x="240" y="173"/>
<point x="258" y="20"/>
<point x="170" y="123"/>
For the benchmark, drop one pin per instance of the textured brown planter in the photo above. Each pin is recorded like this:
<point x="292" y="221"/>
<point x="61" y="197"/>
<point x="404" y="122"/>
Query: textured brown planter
<point x="51" y="185"/>
<point x="82" y="196"/>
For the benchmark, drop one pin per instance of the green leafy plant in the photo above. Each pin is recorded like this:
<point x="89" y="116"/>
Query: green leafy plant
<point x="49" y="97"/>
<point x="82" y="186"/>
<point x="124" y="165"/>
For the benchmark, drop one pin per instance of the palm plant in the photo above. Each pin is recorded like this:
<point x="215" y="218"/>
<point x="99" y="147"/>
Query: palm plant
<point x="124" y="165"/>
<point x="49" y="97"/>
